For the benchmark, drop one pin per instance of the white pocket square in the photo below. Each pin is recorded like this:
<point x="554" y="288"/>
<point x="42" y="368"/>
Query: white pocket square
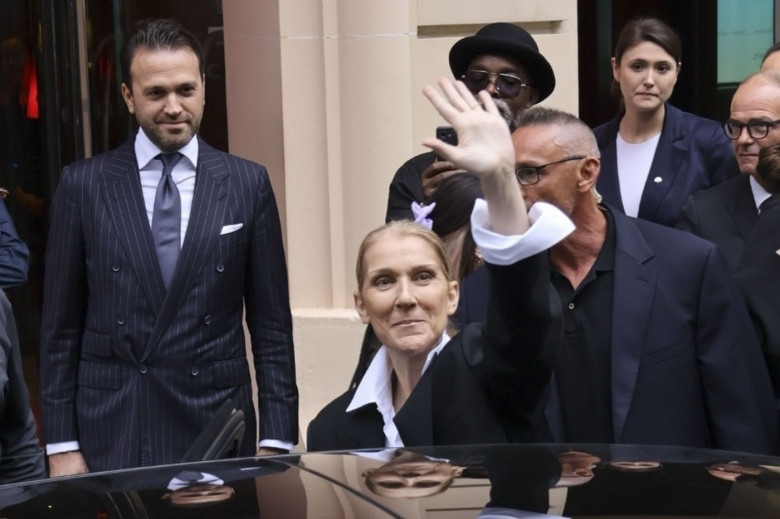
<point x="231" y="228"/>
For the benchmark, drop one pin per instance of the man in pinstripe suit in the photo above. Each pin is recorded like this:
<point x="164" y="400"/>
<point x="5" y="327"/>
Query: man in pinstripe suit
<point x="133" y="365"/>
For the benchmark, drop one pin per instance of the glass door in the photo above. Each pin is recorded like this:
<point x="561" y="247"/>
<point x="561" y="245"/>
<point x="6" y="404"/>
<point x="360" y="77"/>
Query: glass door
<point x="60" y="101"/>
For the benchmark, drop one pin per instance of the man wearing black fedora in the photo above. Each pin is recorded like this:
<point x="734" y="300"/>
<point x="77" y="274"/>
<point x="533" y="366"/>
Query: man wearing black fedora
<point x="501" y="58"/>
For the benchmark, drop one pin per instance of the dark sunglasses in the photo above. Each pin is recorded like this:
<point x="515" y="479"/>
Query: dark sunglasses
<point x="507" y="85"/>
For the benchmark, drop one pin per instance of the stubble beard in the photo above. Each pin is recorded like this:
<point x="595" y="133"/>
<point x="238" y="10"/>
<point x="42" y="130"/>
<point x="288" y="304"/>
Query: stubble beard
<point x="505" y="112"/>
<point x="170" y="142"/>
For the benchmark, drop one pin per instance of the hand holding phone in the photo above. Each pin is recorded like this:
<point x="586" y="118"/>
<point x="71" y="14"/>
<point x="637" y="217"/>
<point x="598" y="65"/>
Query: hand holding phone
<point x="440" y="169"/>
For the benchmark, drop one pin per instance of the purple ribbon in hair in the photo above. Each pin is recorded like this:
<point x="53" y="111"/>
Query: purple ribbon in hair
<point x="421" y="213"/>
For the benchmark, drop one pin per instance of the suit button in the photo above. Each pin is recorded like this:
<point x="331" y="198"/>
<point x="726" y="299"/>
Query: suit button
<point x="220" y="267"/>
<point x="194" y="371"/>
<point x="142" y="369"/>
<point x="121" y="320"/>
<point x="207" y="319"/>
<point x="115" y="267"/>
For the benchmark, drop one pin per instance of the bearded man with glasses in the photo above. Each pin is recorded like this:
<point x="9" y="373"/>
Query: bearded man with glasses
<point x="726" y="214"/>
<point x="502" y="59"/>
<point x="741" y="215"/>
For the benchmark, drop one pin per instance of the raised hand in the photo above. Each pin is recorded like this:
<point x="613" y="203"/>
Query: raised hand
<point x="484" y="143"/>
<point x="484" y="149"/>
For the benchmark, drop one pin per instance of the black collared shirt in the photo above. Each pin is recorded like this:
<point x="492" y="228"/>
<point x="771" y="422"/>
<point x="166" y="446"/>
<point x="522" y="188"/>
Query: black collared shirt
<point x="583" y="369"/>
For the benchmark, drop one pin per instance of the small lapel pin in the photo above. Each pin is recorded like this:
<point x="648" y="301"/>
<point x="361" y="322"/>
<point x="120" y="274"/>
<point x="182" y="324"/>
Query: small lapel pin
<point x="658" y="180"/>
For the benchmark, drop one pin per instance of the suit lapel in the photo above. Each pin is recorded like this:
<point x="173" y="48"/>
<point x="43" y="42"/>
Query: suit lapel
<point x="362" y="428"/>
<point x="669" y="156"/>
<point x="206" y="217"/>
<point x="124" y="200"/>
<point x="608" y="183"/>
<point x="634" y="290"/>
<point x="742" y="208"/>
<point x="415" y="419"/>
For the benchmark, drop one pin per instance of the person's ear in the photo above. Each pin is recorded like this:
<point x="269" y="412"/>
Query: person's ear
<point x="360" y="306"/>
<point x="587" y="174"/>
<point x="615" y="69"/>
<point x="453" y="296"/>
<point x="127" y="95"/>
<point x="533" y="97"/>
<point x="368" y="472"/>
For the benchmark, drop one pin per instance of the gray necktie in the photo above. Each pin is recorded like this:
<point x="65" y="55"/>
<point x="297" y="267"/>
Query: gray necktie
<point x="166" y="218"/>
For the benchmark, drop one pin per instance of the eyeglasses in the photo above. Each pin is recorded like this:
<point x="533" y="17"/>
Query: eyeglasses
<point x="756" y="129"/>
<point x="507" y="85"/>
<point x="529" y="175"/>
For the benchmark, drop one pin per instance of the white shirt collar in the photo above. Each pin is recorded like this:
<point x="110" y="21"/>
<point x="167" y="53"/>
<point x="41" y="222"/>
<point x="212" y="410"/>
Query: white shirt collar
<point x="146" y="150"/>
<point x="388" y="455"/>
<point x="188" y="478"/>
<point x="376" y="385"/>
<point x="759" y="193"/>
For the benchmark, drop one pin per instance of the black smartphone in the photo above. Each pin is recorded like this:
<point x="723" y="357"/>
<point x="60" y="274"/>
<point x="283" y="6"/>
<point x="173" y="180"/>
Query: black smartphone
<point x="446" y="134"/>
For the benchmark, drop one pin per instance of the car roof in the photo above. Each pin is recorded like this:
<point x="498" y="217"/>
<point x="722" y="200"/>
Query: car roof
<point x="441" y="482"/>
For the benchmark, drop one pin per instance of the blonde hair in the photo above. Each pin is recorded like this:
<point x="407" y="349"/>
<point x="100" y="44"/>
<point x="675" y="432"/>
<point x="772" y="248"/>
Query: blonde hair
<point x="401" y="228"/>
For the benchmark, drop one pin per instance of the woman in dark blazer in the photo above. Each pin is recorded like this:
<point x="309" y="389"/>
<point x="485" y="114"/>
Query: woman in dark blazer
<point x="653" y="155"/>
<point x="488" y="382"/>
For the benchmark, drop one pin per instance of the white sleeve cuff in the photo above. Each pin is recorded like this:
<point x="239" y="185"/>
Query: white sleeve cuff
<point x="549" y="225"/>
<point x="276" y="444"/>
<point x="58" y="448"/>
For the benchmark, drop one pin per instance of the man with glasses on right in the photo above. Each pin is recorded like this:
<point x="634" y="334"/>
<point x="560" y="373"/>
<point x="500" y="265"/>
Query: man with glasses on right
<point x="502" y="59"/>
<point x="725" y="214"/>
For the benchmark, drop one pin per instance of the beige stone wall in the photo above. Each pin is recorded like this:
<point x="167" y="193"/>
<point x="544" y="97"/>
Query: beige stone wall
<point x="327" y="94"/>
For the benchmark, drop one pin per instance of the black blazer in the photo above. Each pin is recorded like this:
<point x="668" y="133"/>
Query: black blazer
<point x="693" y="154"/>
<point x="133" y="372"/>
<point x="724" y="214"/>
<point x="758" y="275"/>
<point x="485" y="385"/>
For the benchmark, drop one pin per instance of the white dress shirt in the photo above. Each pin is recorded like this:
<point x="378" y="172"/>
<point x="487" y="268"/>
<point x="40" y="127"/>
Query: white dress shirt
<point x="183" y="175"/>
<point x="759" y="193"/>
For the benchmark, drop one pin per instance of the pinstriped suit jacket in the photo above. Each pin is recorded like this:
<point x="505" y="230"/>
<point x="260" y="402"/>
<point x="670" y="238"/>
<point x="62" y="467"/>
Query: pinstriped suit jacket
<point x="133" y="373"/>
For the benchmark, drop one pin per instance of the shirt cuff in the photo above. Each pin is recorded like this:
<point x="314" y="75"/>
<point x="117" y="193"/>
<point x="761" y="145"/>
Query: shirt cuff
<point x="549" y="225"/>
<point x="276" y="444"/>
<point x="60" y="447"/>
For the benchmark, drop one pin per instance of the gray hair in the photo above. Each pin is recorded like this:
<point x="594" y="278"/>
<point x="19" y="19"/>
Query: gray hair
<point x="578" y="139"/>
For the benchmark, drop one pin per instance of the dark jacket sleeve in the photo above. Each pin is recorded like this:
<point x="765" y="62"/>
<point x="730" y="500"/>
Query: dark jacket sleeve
<point x="739" y="394"/>
<point x="406" y="187"/>
<point x="21" y="457"/>
<point x="14" y="255"/>
<point x="524" y="331"/>
<point x="689" y="219"/>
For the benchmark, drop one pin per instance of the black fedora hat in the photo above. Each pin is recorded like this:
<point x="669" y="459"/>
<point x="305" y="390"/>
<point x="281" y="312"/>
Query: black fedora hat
<point x="505" y="39"/>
